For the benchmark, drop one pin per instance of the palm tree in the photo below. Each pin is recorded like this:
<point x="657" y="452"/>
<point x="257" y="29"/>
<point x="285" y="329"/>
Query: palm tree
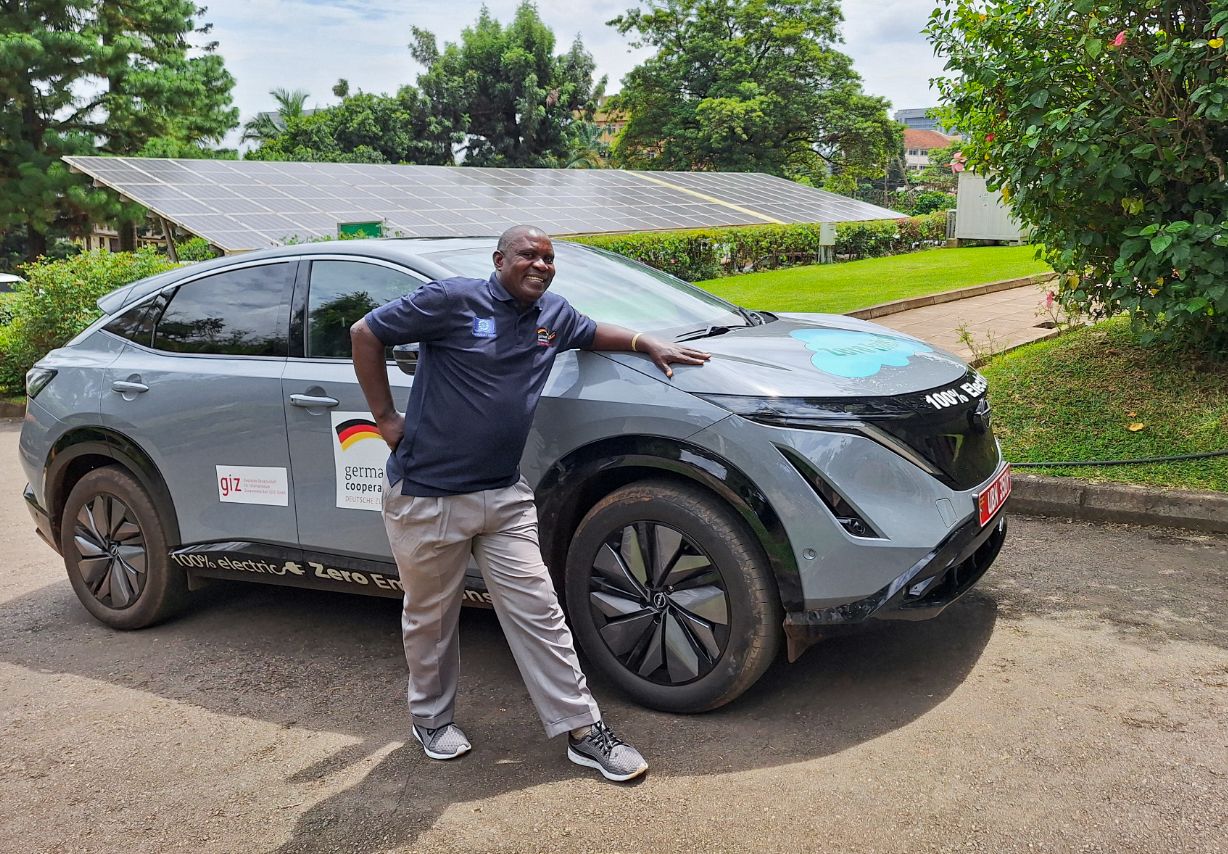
<point x="267" y="126"/>
<point x="585" y="147"/>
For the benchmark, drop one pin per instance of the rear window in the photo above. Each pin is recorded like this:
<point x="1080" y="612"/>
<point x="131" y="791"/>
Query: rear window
<point x="235" y="313"/>
<point x="137" y="323"/>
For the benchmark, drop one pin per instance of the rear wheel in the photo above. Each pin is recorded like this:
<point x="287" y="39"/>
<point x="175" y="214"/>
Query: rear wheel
<point x="671" y="597"/>
<point x="115" y="551"/>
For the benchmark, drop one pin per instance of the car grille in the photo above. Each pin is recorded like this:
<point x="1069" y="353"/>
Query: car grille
<point x="957" y="439"/>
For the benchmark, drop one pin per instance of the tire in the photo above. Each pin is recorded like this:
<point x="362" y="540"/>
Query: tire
<point x="698" y="631"/>
<point x="115" y="551"/>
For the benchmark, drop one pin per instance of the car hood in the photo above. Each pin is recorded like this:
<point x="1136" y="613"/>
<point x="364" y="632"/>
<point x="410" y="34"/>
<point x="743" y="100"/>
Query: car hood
<point x="823" y="356"/>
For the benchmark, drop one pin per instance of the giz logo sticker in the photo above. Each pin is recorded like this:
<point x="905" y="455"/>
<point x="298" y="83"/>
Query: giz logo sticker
<point x="253" y="485"/>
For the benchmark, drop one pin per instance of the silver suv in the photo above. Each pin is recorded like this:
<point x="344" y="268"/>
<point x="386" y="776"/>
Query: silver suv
<point x="815" y="472"/>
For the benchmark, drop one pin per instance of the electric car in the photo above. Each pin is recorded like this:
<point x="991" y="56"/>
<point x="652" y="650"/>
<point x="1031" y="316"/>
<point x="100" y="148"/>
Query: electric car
<point x="819" y="470"/>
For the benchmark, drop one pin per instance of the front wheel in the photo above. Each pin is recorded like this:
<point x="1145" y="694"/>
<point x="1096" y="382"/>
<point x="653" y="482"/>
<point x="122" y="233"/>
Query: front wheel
<point x="115" y="551"/>
<point x="671" y="596"/>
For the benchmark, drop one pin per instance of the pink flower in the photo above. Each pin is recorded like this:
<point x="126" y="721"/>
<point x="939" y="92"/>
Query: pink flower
<point x="1050" y="297"/>
<point x="989" y="137"/>
<point x="1120" y="40"/>
<point x="957" y="164"/>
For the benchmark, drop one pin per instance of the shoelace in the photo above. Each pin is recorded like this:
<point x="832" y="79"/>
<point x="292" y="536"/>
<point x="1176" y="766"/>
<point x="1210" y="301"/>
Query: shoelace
<point x="604" y="738"/>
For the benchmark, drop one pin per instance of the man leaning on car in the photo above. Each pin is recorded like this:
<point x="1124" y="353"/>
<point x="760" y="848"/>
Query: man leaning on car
<point x="453" y="486"/>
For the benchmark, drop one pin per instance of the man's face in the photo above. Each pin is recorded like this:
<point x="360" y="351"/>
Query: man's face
<point x="527" y="268"/>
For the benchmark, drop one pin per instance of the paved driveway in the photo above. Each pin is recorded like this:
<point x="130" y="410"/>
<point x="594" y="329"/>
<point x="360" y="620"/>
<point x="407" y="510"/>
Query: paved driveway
<point x="1076" y="701"/>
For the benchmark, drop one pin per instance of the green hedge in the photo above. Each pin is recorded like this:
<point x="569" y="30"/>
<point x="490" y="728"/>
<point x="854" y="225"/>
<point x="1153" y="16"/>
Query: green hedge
<point x="58" y="300"/>
<point x="710" y="253"/>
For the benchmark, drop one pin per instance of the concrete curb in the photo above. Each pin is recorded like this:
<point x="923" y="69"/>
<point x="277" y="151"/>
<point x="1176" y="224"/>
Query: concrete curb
<point x="12" y="410"/>
<point x="883" y="309"/>
<point x="1072" y="498"/>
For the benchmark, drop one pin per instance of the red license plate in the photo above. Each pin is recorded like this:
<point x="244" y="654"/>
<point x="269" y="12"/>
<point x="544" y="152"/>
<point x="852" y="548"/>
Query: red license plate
<point x="994" y="495"/>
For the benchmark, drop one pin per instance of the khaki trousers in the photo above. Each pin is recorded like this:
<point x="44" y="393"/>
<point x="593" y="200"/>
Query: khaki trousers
<point x="432" y="539"/>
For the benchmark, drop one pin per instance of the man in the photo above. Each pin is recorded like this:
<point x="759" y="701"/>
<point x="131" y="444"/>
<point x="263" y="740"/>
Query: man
<point x="453" y="486"/>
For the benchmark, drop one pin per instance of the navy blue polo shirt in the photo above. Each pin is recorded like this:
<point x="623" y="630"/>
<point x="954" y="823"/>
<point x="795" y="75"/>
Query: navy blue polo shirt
<point x="482" y="365"/>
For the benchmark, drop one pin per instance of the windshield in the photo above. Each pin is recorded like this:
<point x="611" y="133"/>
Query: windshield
<point x="612" y="289"/>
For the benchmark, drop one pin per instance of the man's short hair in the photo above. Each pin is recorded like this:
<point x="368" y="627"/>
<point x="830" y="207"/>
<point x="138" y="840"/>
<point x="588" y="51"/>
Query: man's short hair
<point x="507" y="238"/>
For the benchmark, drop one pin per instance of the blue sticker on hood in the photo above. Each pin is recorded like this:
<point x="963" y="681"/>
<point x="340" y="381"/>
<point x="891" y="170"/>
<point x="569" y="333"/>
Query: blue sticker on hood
<point x="857" y="354"/>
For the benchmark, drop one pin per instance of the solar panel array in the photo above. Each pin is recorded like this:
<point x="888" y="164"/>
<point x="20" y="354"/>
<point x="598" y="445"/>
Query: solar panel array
<point x="240" y="204"/>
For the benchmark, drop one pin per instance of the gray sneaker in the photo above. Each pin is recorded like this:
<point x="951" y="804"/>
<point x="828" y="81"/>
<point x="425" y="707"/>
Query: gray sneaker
<point x="603" y="750"/>
<point x="445" y="742"/>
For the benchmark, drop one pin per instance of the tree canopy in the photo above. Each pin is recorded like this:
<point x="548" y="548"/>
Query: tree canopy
<point x="1105" y="124"/>
<point x="81" y="77"/>
<point x="504" y="92"/>
<point x="363" y="128"/>
<point x="748" y="85"/>
<point x="500" y="96"/>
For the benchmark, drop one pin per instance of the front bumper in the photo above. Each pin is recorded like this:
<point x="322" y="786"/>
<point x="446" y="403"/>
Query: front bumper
<point x="42" y="521"/>
<point x="929" y="586"/>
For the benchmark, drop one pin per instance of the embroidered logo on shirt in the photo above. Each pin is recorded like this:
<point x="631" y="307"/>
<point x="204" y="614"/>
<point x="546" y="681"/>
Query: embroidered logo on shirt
<point x="484" y="327"/>
<point x="545" y="338"/>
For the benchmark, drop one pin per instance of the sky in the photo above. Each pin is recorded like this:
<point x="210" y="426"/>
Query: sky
<point x="309" y="44"/>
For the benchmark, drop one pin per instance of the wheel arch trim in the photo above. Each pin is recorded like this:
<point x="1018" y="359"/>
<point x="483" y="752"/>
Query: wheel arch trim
<point x="96" y="441"/>
<point x="574" y="483"/>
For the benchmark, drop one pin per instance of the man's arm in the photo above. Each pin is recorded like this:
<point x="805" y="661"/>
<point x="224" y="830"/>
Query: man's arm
<point x="372" y="371"/>
<point x="663" y="353"/>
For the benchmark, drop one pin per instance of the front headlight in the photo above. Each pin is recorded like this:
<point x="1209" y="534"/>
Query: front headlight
<point x="837" y="415"/>
<point x="808" y="412"/>
<point x="37" y="379"/>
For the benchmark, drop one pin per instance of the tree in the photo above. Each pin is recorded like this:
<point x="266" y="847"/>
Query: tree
<point x="1105" y="124"/>
<point x="503" y="91"/>
<point x="938" y="174"/>
<point x="80" y="77"/>
<point x="363" y="128"/>
<point x="266" y="127"/>
<point x="749" y="85"/>
<point x="586" y="149"/>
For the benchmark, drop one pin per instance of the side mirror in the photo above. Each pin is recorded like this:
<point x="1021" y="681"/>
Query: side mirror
<point x="406" y="356"/>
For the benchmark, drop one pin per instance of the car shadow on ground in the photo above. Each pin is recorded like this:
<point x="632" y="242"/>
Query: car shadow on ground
<point x="330" y="662"/>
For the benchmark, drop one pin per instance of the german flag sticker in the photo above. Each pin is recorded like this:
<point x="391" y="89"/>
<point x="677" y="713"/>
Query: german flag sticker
<point x="351" y="432"/>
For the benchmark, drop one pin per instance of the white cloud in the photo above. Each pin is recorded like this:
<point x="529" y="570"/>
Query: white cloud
<point x="309" y="44"/>
<point x="893" y="58"/>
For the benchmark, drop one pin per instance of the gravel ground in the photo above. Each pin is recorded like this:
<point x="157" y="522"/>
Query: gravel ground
<point x="1075" y="701"/>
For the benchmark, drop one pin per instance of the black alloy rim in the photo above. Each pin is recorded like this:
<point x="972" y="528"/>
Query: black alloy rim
<point x="110" y="551"/>
<point x="659" y="603"/>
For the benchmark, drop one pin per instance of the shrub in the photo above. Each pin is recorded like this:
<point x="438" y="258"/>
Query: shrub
<point x="928" y="201"/>
<point x="1105" y="124"/>
<point x="710" y="253"/>
<point x="196" y="249"/>
<point x="58" y="300"/>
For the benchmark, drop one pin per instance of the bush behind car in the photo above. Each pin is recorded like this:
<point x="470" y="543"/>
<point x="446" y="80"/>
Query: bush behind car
<point x="58" y="300"/>
<point x="709" y="253"/>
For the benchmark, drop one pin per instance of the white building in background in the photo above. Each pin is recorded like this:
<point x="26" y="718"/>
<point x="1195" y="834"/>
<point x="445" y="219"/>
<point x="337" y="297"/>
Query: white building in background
<point x="919" y="143"/>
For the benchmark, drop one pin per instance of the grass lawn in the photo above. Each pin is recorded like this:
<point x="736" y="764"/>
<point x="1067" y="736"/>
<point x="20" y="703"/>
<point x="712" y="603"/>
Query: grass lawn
<point x="850" y="285"/>
<point x="1075" y="397"/>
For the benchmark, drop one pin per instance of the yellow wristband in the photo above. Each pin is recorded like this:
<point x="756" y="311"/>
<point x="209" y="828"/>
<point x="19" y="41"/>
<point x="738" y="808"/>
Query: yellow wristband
<point x="634" y="338"/>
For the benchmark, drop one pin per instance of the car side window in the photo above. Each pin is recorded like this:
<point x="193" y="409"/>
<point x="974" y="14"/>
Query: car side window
<point x="342" y="292"/>
<point x="235" y="313"/>
<point x="137" y="323"/>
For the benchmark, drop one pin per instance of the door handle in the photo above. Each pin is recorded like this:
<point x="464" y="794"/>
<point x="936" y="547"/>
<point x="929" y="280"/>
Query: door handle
<point x="125" y="387"/>
<point x="308" y="401"/>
